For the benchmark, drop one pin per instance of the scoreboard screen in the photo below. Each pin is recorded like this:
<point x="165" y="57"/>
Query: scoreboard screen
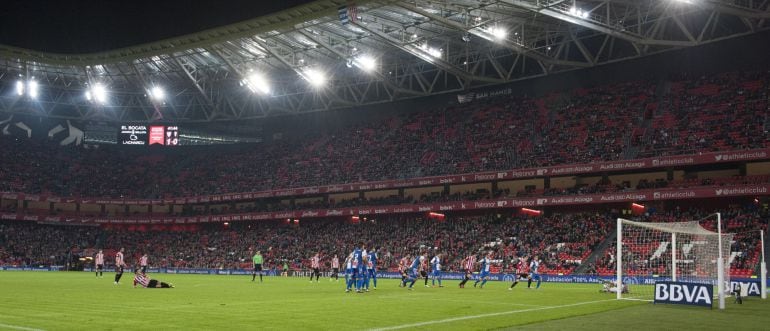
<point x="144" y="135"/>
<point x="132" y="135"/>
<point x="164" y="135"/>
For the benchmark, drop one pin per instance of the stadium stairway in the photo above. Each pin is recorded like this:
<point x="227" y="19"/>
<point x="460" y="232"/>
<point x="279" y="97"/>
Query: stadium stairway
<point x="597" y="254"/>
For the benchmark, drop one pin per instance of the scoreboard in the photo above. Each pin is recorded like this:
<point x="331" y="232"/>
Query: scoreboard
<point x="164" y="135"/>
<point x="132" y="135"/>
<point x="143" y="135"/>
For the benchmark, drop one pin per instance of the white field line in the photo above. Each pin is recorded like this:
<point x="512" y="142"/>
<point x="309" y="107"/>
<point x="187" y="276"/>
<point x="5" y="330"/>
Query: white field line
<point x="395" y="297"/>
<point x="462" y="318"/>
<point x="16" y="327"/>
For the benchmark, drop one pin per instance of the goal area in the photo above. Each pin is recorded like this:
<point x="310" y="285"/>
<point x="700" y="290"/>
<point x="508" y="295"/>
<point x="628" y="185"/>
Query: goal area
<point x="647" y="252"/>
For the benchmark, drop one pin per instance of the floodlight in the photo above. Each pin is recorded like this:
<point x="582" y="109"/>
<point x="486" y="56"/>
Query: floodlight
<point x="430" y="50"/>
<point x="97" y="93"/>
<point x="498" y="32"/>
<point x="366" y="62"/>
<point x="256" y="82"/>
<point x="20" y="88"/>
<point x="157" y="93"/>
<point x="315" y="77"/>
<point x="577" y="12"/>
<point x="32" y="89"/>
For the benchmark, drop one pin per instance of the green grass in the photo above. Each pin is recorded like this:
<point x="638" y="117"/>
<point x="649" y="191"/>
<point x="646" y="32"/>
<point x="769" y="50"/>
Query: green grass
<point x="78" y="301"/>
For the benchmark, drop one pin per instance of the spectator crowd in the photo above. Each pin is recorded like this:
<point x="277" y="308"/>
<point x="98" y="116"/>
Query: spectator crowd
<point x="621" y="121"/>
<point x="564" y="241"/>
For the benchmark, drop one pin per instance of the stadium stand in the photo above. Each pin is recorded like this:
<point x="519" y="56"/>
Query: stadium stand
<point x="682" y="116"/>
<point x="708" y="113"/>
<point x="563" y="241"/>
<point x="686" y="115"/>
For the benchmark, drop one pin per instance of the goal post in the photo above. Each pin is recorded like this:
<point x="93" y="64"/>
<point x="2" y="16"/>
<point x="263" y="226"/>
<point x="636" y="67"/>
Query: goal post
<point x="647" y="252"/>
<point x="763" y="267"/>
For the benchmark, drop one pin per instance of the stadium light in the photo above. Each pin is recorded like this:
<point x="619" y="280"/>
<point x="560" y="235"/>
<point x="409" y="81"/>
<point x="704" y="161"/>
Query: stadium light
<point x="315" y="77"/>
<point x="32" y="88"/>
<point x="430" y="50"/>
<point x="97" y="93"/>
<point x="577" y="12"/>
<point x="157" y="93"/>
<point x="498" y="32"/>
<point x="366" y="62"/>
<point x="20" y="88"/>
<point x="256" y="83"/>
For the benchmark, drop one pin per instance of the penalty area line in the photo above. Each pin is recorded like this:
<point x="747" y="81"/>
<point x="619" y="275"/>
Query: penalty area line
<point x="16" y="327"/>
<point x="462" y="318"/>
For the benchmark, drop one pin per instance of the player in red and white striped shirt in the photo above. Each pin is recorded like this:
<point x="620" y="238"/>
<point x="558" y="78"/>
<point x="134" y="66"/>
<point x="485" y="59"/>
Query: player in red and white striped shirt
<point x="315" y="264"/>
<point x="520" y="272"/>
<point x="143" y="263"/>
<point x="335" y="269"/>
<point x="99" y="262"/>
<point x="468" y="263"/>
<point x="142" y="279"/>
<point x="119" y="265"/>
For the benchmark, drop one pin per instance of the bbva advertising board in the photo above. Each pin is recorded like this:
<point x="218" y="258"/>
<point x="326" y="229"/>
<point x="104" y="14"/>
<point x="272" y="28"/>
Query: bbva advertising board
<point x="684" y="293"/>
<point x="753" y="288"/>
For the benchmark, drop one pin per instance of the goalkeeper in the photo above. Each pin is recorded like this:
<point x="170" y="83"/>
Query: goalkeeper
<point x="610" y="286"/>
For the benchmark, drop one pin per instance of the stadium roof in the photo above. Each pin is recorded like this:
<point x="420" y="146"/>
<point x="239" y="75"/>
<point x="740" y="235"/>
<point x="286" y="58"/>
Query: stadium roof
<point x="83" y="26"/>
<point x="390" y="50"/>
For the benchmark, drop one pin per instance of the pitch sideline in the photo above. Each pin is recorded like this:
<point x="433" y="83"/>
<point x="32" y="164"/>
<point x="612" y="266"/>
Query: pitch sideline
<point x="462" y="318"/>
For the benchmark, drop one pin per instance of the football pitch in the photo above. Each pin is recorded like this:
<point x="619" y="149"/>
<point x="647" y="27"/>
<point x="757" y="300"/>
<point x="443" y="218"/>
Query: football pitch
<point x="78" y="301"/>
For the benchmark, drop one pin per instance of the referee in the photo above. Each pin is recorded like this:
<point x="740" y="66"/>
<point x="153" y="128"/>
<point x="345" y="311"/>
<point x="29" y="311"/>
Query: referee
<point x="257" y="266"/>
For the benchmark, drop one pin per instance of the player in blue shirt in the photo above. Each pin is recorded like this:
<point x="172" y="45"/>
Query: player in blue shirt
<point x="533" y="272"/>
<point x="371" y="269"/>
<point x="357" y="268"/>
<point x="414" y="271"/>
<point x="348" y="271"/>
<point x="435" y="264"/>
<point x="484" y="271"/>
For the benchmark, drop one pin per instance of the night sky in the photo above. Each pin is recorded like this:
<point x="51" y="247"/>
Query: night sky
<point x="82" y="26"/>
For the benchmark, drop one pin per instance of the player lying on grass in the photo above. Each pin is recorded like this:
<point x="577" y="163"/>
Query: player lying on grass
<point x="608" y="286"/>
<point x="142" y="279"/>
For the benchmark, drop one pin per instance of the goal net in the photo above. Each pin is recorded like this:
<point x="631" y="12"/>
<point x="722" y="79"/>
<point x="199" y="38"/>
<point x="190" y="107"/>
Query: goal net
<point x="680" y="252"/>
